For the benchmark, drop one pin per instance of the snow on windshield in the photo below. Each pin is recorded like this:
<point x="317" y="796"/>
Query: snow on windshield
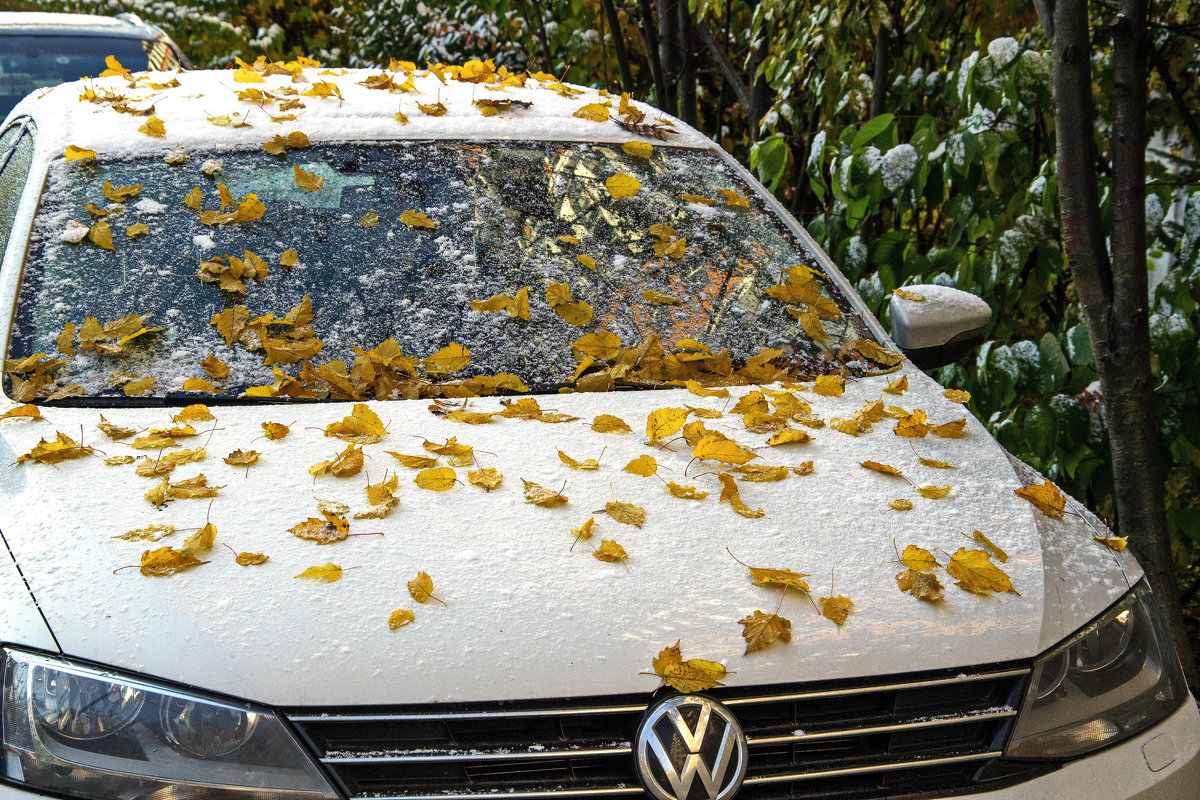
<point x="513" y="250"/>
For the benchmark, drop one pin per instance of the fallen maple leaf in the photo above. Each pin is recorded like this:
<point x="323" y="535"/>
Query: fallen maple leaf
<point x="975" y="572"/>
<point x="921" y="585"/>
<point x="1045" y="497"/>
<point x="693" y="675"/>
<point x="760" y="629"/>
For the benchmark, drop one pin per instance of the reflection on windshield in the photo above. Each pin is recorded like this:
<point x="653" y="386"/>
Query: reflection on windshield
<point x="29" y="63"/>
<point x="413" y="267"/>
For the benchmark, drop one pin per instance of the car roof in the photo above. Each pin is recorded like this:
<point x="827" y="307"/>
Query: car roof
<point x="37" y="23"/>
<point x="191" y="105"/>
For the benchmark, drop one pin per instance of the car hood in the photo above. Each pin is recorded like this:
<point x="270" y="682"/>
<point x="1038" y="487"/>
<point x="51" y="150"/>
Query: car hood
<point x="526" y="611"/>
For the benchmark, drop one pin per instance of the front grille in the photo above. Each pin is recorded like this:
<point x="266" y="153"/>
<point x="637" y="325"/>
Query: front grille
<point x="925" y="735"/>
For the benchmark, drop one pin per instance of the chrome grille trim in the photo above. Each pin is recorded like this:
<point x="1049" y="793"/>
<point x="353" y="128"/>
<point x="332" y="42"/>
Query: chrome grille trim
<point x="625" y="790"/>
<point x="639" y="708"/>
<point x="624" y="750"/>
<point x="864" y="770"/>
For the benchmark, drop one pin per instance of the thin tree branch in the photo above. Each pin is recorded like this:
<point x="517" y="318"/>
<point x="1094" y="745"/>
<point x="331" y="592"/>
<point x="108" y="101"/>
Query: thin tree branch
<point x="727" y="67"/>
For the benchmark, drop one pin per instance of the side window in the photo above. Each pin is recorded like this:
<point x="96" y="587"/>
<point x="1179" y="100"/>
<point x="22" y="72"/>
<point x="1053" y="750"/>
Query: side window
<point x="16" y="156"/>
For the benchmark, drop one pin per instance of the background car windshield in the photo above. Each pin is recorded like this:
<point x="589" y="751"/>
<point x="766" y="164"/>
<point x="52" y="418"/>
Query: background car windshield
<point x="32" y="62"/>
<point x="691" y="258"/>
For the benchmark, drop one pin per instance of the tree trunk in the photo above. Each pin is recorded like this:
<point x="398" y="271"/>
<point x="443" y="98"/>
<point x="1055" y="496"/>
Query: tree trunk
<point x="760" y="93"/>
<point x="668" y="55"/>
<point x="614" y="27"/>
<point x="648" y="32"/>
<point x="879" y="76"/>
<point x="687" y="65"/>
<point x="1114" y="294"/>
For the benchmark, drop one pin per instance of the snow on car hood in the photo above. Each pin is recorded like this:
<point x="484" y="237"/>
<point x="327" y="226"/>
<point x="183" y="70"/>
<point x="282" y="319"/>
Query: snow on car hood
<point x="526" y="615"/>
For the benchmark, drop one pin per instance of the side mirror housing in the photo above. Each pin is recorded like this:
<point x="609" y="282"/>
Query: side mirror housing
<point x="942" y="327"/>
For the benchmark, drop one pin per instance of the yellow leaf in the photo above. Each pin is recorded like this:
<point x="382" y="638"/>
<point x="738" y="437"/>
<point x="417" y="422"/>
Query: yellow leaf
<point x="137" y="229"/>
<point x="695" y="388"/>
<point x="789" y="436"/>
<point x="913" y="426"/>
<point x="251" y="559"/>
<point x="729" y="492"/>
<point x="762" y="474"/>
<point x="906" y="294"/>
<point x="439" y="479"/>
<point x="603" y="345"/>
<point x="698" y="198"/>
<point x="488" y="478"/>
<point x="694" y="675"/>
<point x="918" y="558"/>
<point x="460" y="455"/>
<point x="982" y="538"/>
<point x="100" y="234"/>
<point x="660" y="298"/>
<point x="803" y="468"/>
<point x="363" y="426"/>
<point x="275" y="430"/>
<point x="900" y="504"/>
<point x="401" y="617"/>
<point x="933" y="462"/>
<point x="28" y="411"/>
<point x="957" y="396"/>
<point x="327" y="573"/>
<point x="202" y="539"/>
<point x="951" y="430"/>
<point x="197" y="412"/>
<point x="934" y="492"/>
<point x="347" y="464"/>
<point x="586" y="464"/>
<point x="584" y="531"/>
<point x="240" y="458"/>
<point x="73" y="153"/>
<point x="760" y="629"/>
<point x="622" y="185"/>
<point x="324" y="89"/>
<point x="150" y="533"/>
<point x="306" y="180"/>
<point x="153" y="127"/>
<point x="639" y="149"/>
<point x="851" y="427"/>
<point x="433" y="109"/>
<point x="1117" y="543"/>
<point x="417" y="219"/>
<point x="642" y="465"/>
<point x="246" y="75"/>
<point x="113" y="67"/>
<point x="421" y="588"/>
<point x="586" y="260"/>
<point x="898" y="386"/>
<point x="830" y="385"/>
<point x="626" y="513"/>
<point x="289" y="258"/>
<point x="878" y="354"/>
<point x="716" y="447"/>
<point x="1045" y="497"/>
<point x="607" y="423"/>
<point x="609" y="551"/>
<point x="877" y="467"/>
<point x="762" y="576"/>
<point x="450" y="358"/>
<point x="166" y="561"/>
<point x="592" y="111"/>
<point x="921" y="585"/>
<point x="665" y="422"/>
<point x="975" y="572"/>
<point x="541" y="496"/>
<point x="685" y="492"/>
<point x="836" y="609"/>
<point x="733" y="198"/>
<point x="577" y="314"/>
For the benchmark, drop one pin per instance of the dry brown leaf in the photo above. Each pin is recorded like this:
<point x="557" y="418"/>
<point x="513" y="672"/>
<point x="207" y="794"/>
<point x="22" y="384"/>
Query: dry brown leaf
<point x="760" y="629"/>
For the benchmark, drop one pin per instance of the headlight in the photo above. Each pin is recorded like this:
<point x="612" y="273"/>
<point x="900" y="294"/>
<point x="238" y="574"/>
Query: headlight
<point x="1111" y="680"/>
<point x="82" y="731"/>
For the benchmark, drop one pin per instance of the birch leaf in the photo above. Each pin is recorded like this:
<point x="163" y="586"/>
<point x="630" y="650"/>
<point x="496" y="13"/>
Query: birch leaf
<point x="327" y="573"/>
<point x="609" y="551"/>
<point x="626" y="513"/>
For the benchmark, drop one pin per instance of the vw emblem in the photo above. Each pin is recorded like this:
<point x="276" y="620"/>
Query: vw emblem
<point x="691" y="748"/>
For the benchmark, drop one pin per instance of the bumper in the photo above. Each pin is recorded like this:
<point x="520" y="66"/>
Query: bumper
<point x="1161" y="764"/>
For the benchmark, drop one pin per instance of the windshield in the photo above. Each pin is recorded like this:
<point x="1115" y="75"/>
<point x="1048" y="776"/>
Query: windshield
<point x="31" y="62"/>
<point x="417" y="269"/>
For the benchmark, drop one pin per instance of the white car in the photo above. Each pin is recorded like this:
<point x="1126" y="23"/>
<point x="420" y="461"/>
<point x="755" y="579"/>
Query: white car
<point x="253" y="314"/>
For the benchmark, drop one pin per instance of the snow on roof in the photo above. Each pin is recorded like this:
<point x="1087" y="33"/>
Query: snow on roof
<point x="51" y="22"/>
<point x="329" y="105"/>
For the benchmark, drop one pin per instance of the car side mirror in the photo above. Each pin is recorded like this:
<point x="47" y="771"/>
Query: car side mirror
<point x="937" y="325"/>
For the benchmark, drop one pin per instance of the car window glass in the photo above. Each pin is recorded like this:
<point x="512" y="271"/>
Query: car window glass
<point x="414" y="243"/>
<point x="31" y="62"/>
<point x="16" y="156"/>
